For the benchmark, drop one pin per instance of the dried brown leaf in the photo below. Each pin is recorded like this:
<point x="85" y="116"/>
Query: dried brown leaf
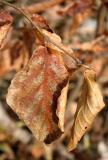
<point x="69" y="62"/>
<point x="54" y="41"/>
<point x="41" y="22"/>
<point x="34" y="91"/>
<point x="90" y="103"/>
<point x="61" y="107"/>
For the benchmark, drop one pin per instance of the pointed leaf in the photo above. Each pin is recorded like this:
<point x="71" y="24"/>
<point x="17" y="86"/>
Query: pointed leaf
<point x="34" y="91"/>
<point x="90" y="103"/>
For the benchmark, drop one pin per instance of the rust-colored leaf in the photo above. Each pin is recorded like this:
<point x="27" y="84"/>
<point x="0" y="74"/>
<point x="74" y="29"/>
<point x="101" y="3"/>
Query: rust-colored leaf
<point x="41" y="22"/>
<point x="34" y="91"/>
<point x="90" y="103"/>
<point x="5" y="23"/>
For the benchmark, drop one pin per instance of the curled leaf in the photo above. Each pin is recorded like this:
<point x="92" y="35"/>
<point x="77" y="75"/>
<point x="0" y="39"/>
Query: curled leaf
<point x="90" y="103"/>
<point x="70" y="63"/>
<point x="61" y="107"/>
<point x="34" y="91"/>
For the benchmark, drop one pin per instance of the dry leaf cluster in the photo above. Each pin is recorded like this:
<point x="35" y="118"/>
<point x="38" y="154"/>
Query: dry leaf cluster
<point x="38" y="93"/>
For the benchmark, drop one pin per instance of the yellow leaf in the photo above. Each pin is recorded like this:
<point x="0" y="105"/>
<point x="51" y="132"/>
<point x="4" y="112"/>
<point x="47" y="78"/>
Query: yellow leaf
<point x="90" y="103"/>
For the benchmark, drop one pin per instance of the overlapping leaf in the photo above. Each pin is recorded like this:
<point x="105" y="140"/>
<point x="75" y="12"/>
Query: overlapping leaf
<point x="70" y="63"/>
<point x="54" y="42"/>
<point x="90" y="103"/>
<point x="34" y="91"/>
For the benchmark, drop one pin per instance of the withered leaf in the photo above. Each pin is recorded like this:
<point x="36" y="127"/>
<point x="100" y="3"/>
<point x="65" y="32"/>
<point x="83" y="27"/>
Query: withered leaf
<point x="5" y="23"/>
<point x="90" y="103"/>
<point x="54" y="42"/>
<point x="61" y="107"/>
<point x="41" y="22"/>
<point x="69" y="62"/>
<point x="34" y="91"/>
